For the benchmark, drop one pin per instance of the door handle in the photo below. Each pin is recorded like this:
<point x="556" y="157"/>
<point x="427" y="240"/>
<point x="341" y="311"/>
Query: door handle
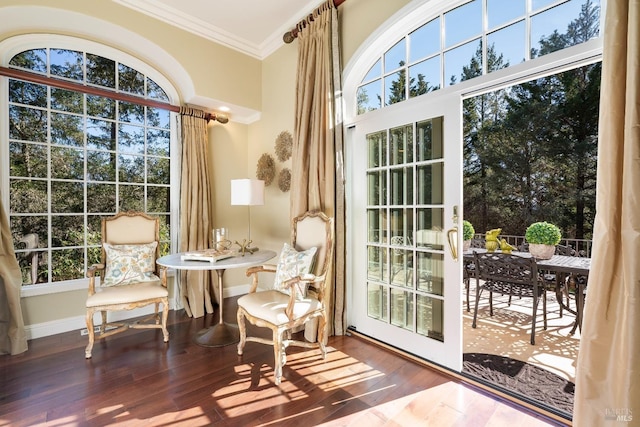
<point x="452" y="238"/>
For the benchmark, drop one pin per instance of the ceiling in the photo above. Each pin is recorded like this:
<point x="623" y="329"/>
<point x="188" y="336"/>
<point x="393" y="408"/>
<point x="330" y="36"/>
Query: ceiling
<point x="253" y="27"/>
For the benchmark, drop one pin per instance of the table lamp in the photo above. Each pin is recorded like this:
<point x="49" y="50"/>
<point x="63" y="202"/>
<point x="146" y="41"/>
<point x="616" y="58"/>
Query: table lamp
<point x="247" y="192"/>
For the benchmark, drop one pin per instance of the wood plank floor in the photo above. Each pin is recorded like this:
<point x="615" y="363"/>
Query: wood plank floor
<point x="134" y="379"/>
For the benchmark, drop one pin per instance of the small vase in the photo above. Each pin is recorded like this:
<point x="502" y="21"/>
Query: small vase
<point x="540" y="251"/>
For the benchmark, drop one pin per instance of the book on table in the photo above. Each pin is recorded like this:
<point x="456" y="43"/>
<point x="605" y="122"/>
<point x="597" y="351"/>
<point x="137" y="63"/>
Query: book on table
<point x="207" y="255"/>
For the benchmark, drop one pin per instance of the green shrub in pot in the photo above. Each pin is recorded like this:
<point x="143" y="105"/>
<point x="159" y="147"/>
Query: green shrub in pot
<point x="543" y="233"/>
<point x="467" y="230"/>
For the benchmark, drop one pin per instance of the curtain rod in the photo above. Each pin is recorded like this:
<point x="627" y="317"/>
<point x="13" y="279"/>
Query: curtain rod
<point x="92" y="90"/>
<point x="290" y="35"/>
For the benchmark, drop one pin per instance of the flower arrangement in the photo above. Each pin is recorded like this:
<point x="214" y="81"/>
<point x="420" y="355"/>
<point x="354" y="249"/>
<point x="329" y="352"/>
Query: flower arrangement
<point x="467" y="230"/>
<point x="543" y="233"/>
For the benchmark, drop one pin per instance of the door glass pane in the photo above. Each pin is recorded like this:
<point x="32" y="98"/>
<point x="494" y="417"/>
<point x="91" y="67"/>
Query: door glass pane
<point x="401" y="186"/>
<point x="429" y="318"/>
<point x="375" y="225"/>
<point x="430" y="184"/>
<point x="429" y="139"/>
<point x="401" y="139"/>
<point x="429" y="231"/>
<point x="430" y="272"/>
<point x="376" y="263"/>
<point x="402" y="308"/>
<point x="377" y="302"/>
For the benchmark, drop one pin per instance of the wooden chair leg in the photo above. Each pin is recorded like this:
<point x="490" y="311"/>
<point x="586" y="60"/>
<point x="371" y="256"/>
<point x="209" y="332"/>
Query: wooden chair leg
<point x="279" y="355"/>
<point x="89" y="321"/>
<point x="242" y="328"/>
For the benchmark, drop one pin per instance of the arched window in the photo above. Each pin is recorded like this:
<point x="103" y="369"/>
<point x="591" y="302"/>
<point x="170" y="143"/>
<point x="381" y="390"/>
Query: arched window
<point x="473" y="39"/>
<point x="75" y="157"/>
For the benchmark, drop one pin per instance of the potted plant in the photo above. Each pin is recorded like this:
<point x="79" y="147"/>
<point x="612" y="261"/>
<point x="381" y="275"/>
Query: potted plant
<point x="467" y="234"/>
<point x="542" y="238"/>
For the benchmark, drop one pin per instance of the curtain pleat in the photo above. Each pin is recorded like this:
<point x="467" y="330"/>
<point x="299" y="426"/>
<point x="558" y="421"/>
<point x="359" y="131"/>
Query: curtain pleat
<point x="13" y="338"/>
<point x="318" y="181"/>
<point x="608" y="367"/>
<point x="195" y="210"/>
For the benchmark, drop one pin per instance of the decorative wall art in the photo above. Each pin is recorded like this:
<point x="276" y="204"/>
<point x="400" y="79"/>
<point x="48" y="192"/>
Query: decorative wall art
<point x="266" y="170"/>
<point x="284" y="145"/>
<point x="284" y="180"/>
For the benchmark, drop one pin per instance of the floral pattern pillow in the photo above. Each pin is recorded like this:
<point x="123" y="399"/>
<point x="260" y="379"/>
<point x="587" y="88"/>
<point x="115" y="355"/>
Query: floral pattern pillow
<point x="291" y="264"/>
<point x="128" y="264"/>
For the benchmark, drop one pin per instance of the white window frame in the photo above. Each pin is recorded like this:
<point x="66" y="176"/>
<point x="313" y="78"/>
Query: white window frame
<point x="14" y="45"/>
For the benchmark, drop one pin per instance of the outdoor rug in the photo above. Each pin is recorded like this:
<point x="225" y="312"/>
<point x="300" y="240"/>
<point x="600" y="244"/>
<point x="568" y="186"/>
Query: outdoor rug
<point x="535" y="384"/>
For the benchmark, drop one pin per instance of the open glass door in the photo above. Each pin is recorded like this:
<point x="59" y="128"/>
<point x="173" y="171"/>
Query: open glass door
<point x="405" y="184"/>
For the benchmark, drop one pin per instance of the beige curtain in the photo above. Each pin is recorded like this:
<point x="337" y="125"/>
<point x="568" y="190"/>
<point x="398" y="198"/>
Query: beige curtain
<point x="317" y="167"/>
<point x="608" y="369"/>
<point x="195" y="209"/>
<point x="13" y="339"/>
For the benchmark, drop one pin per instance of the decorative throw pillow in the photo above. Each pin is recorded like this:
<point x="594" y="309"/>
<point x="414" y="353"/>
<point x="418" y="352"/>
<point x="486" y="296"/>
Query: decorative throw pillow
<point x="128" y="264"/>
<point x="291" y="264"/>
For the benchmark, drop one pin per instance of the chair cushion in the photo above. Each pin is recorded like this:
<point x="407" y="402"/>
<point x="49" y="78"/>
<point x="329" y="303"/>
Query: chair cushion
<point x="271" y="305"/>
<point x="128" y="264"/>
<point x="291" y="264"/>
<point x="127" y="294"/>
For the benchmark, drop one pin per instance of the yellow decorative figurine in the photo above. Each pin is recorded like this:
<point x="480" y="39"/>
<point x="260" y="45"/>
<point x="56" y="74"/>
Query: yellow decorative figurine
<point x="505" y="247"/>
<point x="491" y="238"/>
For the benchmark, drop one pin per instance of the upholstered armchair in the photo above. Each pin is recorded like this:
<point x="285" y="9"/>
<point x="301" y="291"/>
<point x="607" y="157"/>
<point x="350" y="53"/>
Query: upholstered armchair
<point x="129" y="276"/>
<point x="297" y="295"/>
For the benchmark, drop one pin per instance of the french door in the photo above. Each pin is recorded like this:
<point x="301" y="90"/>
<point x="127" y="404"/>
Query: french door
<point x="404" y="189"/>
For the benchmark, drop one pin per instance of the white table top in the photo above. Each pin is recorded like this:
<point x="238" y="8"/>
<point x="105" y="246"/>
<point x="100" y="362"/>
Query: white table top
<point x="238" y="261"/>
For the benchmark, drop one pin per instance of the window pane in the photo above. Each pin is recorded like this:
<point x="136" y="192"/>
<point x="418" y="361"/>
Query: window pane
<point x="101" y="166"/>
<point x="66" y="63"/>
<point x="67" y="163"/>
<point x="101" y="134"/>
<point x="457" y="59"/>
<point x="130" y="168"/>
<point x="28" y="160"/>
<point x="67" y="230"/>
<point x="158" y="117"/>
<point x="131" y="113"/>
<point x="99" y="106"/>
<point x="500" y="12"/>
<point x="27" y="93"/>
<point x="131" y="198"/>
<point x="101" y="198"/>
<point x="34" y="60"/>
<point x="94" y="233"/>
<point x="463" y="23"/>
<point x="508" y="42"/>
<point x="67" y="264"/>
<point x="424" y="77"/>
<point x="396" y="56"/>
<point x="158" y="170"/>
<point x="27" y="196"/>
<point x="425" y="41"/>
<point x="158" y="199"/>
<point x="395" y="87"/>
<point x="67" y="197"/>
<point x="154" y="91"/>
<point x="158" y="142"/>
<point x="131" y="139"/>
<point x="374" y="72"/>
<point x="130" y="80"/>
<point x="67" y="100"/>
<point x="429" y="139"/>
<point x="369" y="97"/>
<point x="101" y="71"/>
<point x="429" y="317"/>
<point x="27" y="124"/>
<point x="67" y="129"/>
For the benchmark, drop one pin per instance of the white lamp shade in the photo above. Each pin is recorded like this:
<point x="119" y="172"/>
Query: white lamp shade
<point x="247" y="192"/>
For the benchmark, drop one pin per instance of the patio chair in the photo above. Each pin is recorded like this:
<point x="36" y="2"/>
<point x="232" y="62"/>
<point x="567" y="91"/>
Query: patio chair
<point x="289" y="304"/>
<point x="509" y="274"/>
<point x="128" y="276"/>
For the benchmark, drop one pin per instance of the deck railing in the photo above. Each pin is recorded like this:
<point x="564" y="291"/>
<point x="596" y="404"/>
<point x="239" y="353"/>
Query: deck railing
<point x="581" y="246"/>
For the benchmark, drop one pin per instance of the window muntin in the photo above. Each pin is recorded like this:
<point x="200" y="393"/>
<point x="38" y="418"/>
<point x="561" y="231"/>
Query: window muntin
<point x="75" y="158"/>
<point x="471" y="46"/>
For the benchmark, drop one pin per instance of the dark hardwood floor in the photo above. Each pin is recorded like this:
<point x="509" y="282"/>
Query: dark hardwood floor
<point x="135" y="379"/>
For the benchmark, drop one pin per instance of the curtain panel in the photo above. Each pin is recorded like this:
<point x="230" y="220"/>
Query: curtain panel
<point x="13" y="338"/>
<point x="608" y="368"/>
<point x="195" y="210"/>
<point x="317" y="168"/>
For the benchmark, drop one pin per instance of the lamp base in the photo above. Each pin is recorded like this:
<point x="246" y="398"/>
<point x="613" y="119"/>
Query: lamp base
<point x="244" y="246"/>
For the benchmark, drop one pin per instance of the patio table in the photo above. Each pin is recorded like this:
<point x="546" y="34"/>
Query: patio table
<point x="572" y="265"/>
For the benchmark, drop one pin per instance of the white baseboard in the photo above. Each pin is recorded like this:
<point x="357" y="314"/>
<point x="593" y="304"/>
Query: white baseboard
<point x="45" y="329"/>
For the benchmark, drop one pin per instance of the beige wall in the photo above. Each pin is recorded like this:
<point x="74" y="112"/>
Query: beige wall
<point x="220" y="73"/>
